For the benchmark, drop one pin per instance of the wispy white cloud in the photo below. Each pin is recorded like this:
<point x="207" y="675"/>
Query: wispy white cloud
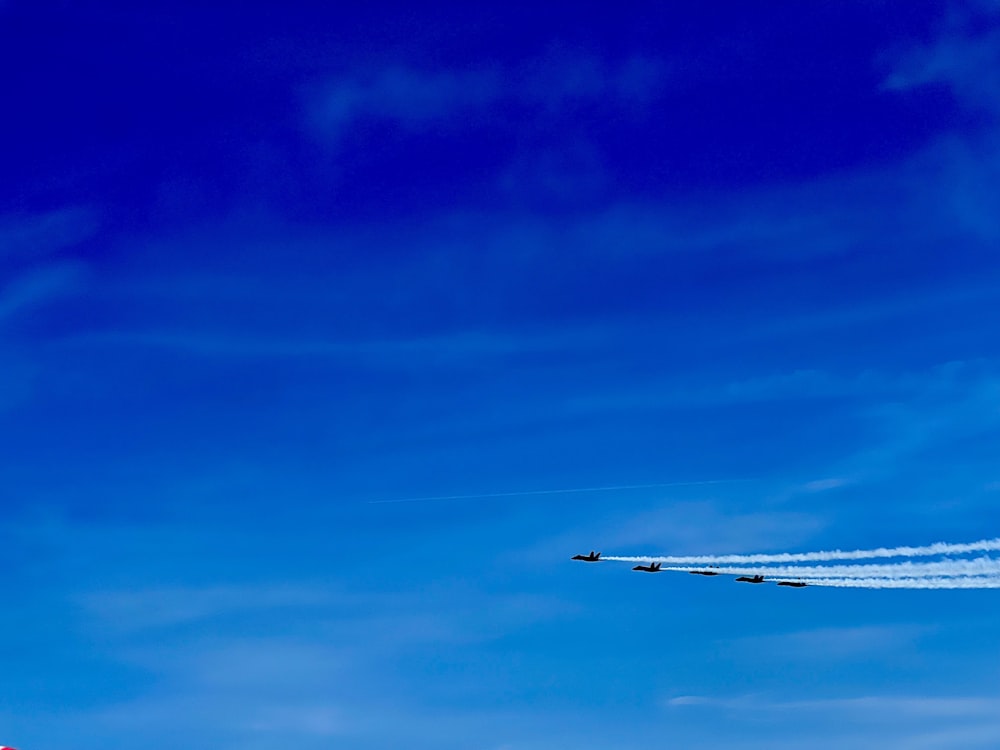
<point x="23" y="293"/>
<point x="834" y="643"/>
<point x="904" y="416"/>
<point x="781" y="386"/>
<point x="955" y="401"/>
<point x="868" y="706"/>
<point x="237" y="690"/>
<point x="704" y="525"/>
<point x="306" y="679"/>
<point x="460" y="349"/>
<point x="38" y="287"/>
<point x="321" y="720"/>
<point x="823" y="485"/>
<point x="962" y="58"/>
<point x="942" y="195"/>
<point x="168" y="607"/>
<point x="868" y="722"/>
<point x="17" y="375"/>
<point x="414" y="98"/>
<point x="564" y="77"/>
<point x="401" y="95"/>
<point x="33" y="235"/>
<point x="381" y="720"/>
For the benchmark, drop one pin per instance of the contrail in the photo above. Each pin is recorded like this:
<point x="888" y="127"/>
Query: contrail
<point x="526" y="493"/>
<point x="983" y="566"/>
<point x="939" y="548"/>
<point x="909" y="583"/>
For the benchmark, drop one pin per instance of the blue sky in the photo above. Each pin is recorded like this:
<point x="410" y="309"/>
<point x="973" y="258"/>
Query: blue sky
<point x="261" y="267"/>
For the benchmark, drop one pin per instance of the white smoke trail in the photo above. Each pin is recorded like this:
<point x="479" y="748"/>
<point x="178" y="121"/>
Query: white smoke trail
<point x="909" y="583"/>
<point x="982" y="566"/>
<point x="939" y="548"/>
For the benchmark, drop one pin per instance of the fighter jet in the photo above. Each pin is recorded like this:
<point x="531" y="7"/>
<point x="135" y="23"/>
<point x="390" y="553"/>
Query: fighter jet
<point x="754" y="579"/>
<point x="651" y="568"/>
<point x="703" y="572"/>
<point x="796" y="584"/>
<point x="592" y="557"/>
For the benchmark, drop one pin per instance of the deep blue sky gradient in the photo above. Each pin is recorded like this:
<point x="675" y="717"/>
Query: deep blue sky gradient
<point x="261" y="267"/>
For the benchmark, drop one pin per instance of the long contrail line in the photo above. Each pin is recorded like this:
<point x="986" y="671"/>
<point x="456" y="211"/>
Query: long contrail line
<point x="939" y="548"/>
<point x="526" y="493"/>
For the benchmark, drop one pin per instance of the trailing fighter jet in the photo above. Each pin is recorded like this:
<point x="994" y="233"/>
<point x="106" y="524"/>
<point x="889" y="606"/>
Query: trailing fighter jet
<point x="592" y="557"/>
<point x="796" y="584"/>
<point x="754" y="579"/>
<point x="651" y="568"/>
<point x="703" y="572"/>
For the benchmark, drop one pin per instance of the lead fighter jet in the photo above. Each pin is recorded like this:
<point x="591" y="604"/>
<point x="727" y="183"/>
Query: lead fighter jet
<point x="651" y="568"/>
<point x="592" y="557"/>
<point x="754" y="579"/>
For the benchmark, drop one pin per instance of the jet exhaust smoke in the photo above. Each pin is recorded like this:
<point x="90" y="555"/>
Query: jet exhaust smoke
<point x="983" y="566"/>
<point x="978" y="582"/>
<point x="939" y="548"/>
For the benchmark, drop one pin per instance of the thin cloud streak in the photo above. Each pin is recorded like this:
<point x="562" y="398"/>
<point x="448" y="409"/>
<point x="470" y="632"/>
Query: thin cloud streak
<point x="35" y="235"/>
<point x="573" y="490"/>
<point x="37" y="287"/>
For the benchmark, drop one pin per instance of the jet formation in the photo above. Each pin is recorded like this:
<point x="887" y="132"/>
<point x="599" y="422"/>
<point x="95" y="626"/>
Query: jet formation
<point x="655" y="567"/>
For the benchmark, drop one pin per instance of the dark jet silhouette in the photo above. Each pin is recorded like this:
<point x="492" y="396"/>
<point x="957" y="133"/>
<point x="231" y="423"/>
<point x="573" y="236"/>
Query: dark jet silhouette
<point x="592" y="557"/>
<point x="754" y="579"/>
<point x="703" y="572"/>
<point x="651" y="568"/>
<point x="796" y="584"/>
